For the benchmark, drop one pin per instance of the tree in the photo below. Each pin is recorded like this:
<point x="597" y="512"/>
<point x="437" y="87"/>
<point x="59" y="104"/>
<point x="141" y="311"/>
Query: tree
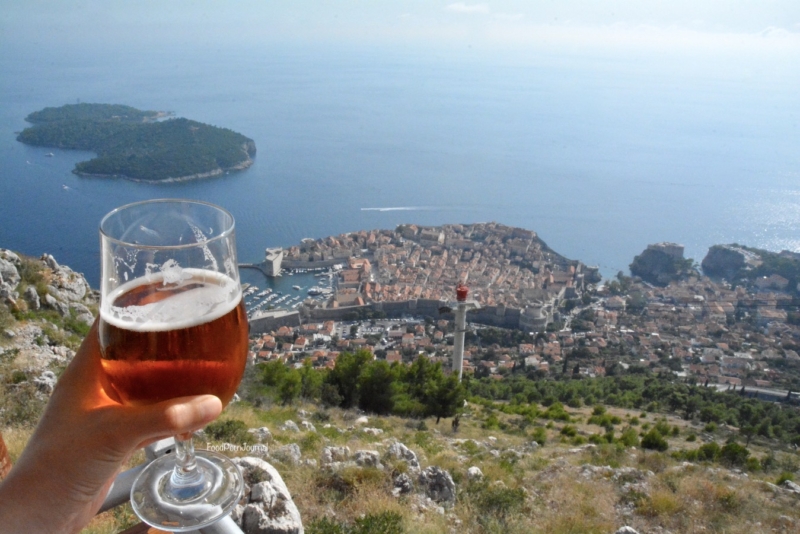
<point x="376" y="388"/>
<point x="654" y="440"/>
<point x="291" y="386"/>
<point x="344" y="376"/>
<point x="444" y="397"/>
<point x="273" y="372"/>
<point x="733" y="454"/>
<point x="310" y="381"/>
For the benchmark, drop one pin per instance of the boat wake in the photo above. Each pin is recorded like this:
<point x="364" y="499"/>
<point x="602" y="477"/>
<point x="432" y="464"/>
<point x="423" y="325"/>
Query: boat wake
<point x="405" y="208"/>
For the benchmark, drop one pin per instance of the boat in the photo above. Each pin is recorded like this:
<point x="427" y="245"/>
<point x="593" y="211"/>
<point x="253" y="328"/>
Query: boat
<point x="49" y="155"/>
<point x="296" y="287"/>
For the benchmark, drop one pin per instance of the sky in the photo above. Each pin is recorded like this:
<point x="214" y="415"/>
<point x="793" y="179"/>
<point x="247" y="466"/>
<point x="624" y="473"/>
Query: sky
<point x="769" y="26"/>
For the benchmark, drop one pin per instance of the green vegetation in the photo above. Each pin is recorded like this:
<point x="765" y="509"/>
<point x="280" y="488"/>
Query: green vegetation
<point x="786" y="266"/>
<point x="661" y="393"/>
<point x="129" y="143"/>
<point x="658" y="267"/>
<point x="230" y="431"/>
<point x="419" y="390"/>
<point x="380" y="523"/>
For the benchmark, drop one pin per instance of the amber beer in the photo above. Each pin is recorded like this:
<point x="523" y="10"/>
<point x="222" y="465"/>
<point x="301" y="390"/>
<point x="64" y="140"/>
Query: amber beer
<point x="163" y="340"/>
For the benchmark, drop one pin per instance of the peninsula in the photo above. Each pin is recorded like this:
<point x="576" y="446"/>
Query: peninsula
<point x="137" y="145"/>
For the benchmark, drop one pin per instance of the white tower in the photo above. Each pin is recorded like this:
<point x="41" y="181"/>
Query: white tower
<point x="462" y="305"/>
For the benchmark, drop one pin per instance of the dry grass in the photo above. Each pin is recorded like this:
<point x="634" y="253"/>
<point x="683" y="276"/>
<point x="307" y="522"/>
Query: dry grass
<point x="541" y="492"/>
<point x="16" y="438"/>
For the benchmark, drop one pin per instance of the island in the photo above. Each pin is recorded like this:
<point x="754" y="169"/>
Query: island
<point x="145" y="146"/>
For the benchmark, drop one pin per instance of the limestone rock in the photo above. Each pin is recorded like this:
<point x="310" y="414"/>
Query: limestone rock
<point x="46" y="382"/>
<point x="288" y="453"/>
<point x="532" y="446"/>
<point x="269" y="508"/>
<point x="368" y="459"/>
<point x="626" y="530"/>
<point x="402" y="485"/>
<point x="50" y="261"/>
<point x="372" y="431"/>
<point x="261" y="434"/>
<point x="307" y="426"/>
<point x="474" y="473"/>
<point x="438" y="485"/>
<point x="32" y="298"/>
<point x="9" y="256"/>
<point x="399" y="451"/>
<point x="361" y="420"/>
<point x="334" y="454"/>
<point x="726" y="261"/>
<point x="82" y="313"/>
<point x="9" y="273"/>
<point x="791" y="486"/>
<point x="57" y="305"/>
<point x="290" y="426"/>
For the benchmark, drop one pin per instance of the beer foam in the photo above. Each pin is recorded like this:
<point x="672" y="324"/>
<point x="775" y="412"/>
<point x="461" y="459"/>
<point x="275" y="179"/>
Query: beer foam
<point x="217" y="295"/>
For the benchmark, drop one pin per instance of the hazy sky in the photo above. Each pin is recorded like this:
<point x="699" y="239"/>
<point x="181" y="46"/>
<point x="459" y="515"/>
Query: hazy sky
<point x="769" y="25"/>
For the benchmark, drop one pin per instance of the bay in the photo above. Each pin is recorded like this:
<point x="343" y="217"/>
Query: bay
<point x="600" y="155"/>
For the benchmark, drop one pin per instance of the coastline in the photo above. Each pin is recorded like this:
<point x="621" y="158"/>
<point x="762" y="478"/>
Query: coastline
<point x="199" y="176"/>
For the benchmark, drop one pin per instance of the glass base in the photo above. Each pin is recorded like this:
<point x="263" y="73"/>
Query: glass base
<point x="161" y="504"/>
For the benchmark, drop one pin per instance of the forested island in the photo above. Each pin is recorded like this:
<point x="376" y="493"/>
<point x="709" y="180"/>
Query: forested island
<point x="135" y="144"/>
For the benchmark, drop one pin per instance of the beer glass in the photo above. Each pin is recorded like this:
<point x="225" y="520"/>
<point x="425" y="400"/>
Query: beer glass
<point x="172" y="324"/>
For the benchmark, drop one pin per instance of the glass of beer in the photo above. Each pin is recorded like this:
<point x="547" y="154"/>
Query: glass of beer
<point x="173" y="324"/>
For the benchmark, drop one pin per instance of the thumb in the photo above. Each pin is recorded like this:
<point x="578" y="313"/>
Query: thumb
<point x="172" y="417"/>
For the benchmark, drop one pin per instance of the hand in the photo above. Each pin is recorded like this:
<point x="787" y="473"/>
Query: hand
<point x="80" y="443"/>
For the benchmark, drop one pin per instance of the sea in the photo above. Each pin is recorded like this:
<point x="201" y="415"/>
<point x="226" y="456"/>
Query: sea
<point x="600" y="154"/>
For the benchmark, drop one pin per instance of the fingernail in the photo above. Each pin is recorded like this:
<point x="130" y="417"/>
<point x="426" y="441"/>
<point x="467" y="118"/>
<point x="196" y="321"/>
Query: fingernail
<point x="208" y="407"/>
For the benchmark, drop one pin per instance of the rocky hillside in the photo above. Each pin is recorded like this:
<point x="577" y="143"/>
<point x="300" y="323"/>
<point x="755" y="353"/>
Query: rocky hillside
<point x="354" y="473"/>
<point x="754" y="267"/>
<point x="318" y="470"/>
<point x="661" y="263"/>
<point x="45" y="310"/>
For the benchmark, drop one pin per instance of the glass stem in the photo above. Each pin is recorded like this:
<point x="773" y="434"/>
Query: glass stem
<point x="185" y="474"/>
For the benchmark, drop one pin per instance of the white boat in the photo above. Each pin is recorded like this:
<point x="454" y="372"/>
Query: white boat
<point x="49" y="155"/>
<point x="296" y="287"/>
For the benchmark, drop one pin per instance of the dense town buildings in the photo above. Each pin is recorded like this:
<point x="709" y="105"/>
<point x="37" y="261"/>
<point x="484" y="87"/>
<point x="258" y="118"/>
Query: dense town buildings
<point x="701" y="330"/>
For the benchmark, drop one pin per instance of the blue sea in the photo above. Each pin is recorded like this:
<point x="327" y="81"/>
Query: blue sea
<point x="600" y="155"/>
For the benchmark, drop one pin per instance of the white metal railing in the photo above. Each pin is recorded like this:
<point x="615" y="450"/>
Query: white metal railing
<point x="120" y="491"/>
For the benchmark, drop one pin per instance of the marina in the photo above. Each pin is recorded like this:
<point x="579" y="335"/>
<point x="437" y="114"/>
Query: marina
<point x="264" y="293"/>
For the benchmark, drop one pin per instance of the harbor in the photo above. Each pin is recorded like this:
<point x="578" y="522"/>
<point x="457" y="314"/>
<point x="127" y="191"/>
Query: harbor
<point x="285" y="292"/>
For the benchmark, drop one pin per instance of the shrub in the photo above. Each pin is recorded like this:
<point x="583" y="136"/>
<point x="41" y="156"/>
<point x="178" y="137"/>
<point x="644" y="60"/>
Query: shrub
<point x="569" y="431"/>
<point x="491" y="423"/>
<point x="710" y="427"/>
<point x="325" y="526"/>
<point x="599" y="410"/>
<point x="381" y="523"/>
<point x="230" y="431"/>
<point x="784" y="477"/>
<point x="691" y="437"/>
<point x="753" y="464"/>
<point x="578" y="440"/>
<point x="708" y="452"/>
<point x="629" y="437"/>
<point x="733" y="455"/>
<point x="663" y="427"/>
<point x="539" y="435"/>
<point x="655" y="441"/>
